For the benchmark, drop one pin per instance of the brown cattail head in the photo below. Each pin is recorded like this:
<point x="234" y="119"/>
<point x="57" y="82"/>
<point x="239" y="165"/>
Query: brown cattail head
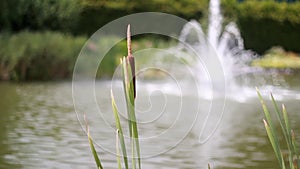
<point x="130" y="59"/>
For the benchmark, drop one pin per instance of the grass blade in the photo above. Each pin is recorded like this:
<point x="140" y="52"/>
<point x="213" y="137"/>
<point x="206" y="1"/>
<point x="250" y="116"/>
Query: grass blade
<point x="125" y="86"/>
<point x="295" y="147"/>
<point x="289" y="136"/>
<point x="274" y="144"/>
<point x="133" y="152"/>
<point x="97" y="159"/>
<point x="94" y="152"/>
<point x="287" y="125"/>
<point x="271" y="131"/>
<point x="293" y="154"/>
<point x="118" y="150"/>
<point x="266" y="112"/>
<point x="120" y="131"/>
<point x="282" y="123"/>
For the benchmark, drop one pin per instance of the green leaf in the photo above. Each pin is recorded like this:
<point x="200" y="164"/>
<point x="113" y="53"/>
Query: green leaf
<point x="94" y="152"/>
<point x="274" y="144"/>
<point x="96" y="158"/>
<point x="120" y="131"/>
<point x="125" y="86"/>
<point x="295" y="147"/>
<point x="266" y="112"/>
<point x="287" y="124"/>
<point x="282" y="122"/>
<point x="118" y="150"/>
<point x="268" y="118"/>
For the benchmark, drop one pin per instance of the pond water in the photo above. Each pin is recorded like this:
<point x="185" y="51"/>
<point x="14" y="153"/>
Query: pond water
<point x="40" y="129"/>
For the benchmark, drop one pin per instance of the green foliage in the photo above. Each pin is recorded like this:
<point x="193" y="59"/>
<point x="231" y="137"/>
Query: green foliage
<point x="16" y="15"/>
<point x="38" y="56"/>
<point x="86" y="16"/>
<point x="278" y="11"/>
<point x="109" y="10"/>
<point x="52" y="55"/>
<point x="288" y="133"/>
<point x="278" y="58"/>
<point x="264" y="24"/>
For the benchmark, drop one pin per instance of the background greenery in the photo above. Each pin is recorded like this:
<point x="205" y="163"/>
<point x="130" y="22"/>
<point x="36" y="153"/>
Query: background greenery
<point x="86" y="16"/>
<point x="38" y="56"/>
<point x="40" y="39"/>
<point x="264" y="24"/>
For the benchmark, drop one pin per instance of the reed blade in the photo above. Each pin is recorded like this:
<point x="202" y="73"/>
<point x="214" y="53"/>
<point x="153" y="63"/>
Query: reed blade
<point x="118" y="150"/>
<point x="280" y="116"/>
<point x="94" y="152"/>
<point x="274" y="144"/>
<point x="120" y="131"/>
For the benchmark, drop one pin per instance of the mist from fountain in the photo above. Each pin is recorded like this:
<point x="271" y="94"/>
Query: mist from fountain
<point x="225" y="44"/>
<point x="219" y="62"/>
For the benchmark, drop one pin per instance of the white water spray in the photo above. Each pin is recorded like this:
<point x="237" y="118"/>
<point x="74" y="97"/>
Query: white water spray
<point x="225" y="44"/>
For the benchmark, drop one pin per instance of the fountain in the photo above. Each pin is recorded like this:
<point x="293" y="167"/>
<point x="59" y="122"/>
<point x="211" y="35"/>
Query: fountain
<point x="224" y="44"/>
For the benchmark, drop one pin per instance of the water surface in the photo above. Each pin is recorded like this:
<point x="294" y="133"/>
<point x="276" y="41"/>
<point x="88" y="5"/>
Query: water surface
<point x="40" y="129"/>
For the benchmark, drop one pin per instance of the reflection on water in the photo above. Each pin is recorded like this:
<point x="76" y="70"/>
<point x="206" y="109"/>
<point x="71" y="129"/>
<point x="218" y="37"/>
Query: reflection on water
<point x="39" y="129"/>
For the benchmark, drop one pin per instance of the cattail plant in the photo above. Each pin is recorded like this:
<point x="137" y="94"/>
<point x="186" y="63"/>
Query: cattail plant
<point x="288" y="133"/>
<point x="129" y="85"/>
<point x="128" y="74"/>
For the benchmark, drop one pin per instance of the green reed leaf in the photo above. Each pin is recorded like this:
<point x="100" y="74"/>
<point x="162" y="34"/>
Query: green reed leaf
<point x="118" y="150"/>
<point x="94" y="152"/>
<point x="274" y="144"/>
<point x="120" y="131"/>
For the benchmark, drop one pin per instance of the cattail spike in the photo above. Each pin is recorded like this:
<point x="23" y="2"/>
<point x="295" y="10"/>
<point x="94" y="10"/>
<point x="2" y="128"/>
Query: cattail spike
<point x="128" y="40"/>
<point x="130" y="58"/>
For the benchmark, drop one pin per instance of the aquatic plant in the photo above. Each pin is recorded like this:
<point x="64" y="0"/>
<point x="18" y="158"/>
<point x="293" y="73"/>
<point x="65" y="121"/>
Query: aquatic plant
<point x="129" y="85"/>
<point x="289" y="135"/>
<point x="128" y="73"/>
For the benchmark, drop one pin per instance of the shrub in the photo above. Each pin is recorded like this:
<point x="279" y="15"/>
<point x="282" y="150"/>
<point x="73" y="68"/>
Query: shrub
<point x="16" y="15"/>
<point x="52" y="55"/>
<point x="38" y="56"/>
<point x="264" y="24"/>
<point x="98" y="13"/>
<point x="85" y="16"/>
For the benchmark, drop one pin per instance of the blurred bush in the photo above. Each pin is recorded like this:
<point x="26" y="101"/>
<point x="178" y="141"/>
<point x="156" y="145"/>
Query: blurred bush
<point x="16" y="15"/>
<point x="97" y="13"/>
<point x="264" y="24"/>
<point x="86" y="16"/>
<point x="52" y="55"/>
<point x="38" y="56"/>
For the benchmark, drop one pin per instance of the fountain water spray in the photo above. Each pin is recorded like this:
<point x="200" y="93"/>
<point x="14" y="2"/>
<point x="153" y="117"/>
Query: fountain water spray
<point x="225" y="44"/>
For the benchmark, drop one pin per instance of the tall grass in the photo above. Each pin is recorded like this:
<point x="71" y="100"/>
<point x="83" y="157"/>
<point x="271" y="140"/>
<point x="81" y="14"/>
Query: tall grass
<point x="128" y="72"/>
<point x="293" y="161"/>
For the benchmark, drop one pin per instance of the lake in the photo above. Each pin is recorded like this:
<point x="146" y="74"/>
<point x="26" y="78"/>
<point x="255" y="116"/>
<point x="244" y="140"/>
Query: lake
<point x="41" y="129"/>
